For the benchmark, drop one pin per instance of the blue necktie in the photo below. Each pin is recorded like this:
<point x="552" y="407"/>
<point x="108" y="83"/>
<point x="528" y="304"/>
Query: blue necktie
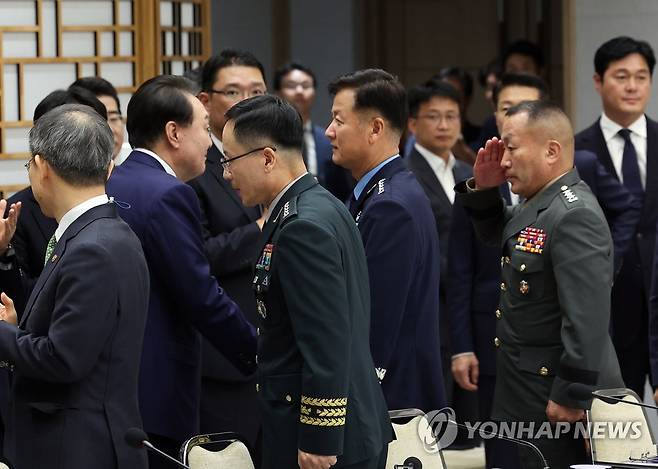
<point x="629" y="168"/>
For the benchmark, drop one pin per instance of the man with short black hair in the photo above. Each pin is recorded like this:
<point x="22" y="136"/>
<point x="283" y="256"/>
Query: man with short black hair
<point x="107" y="94"/>
<point x="320" y="401"/>
<point x="557" y="272"/>
<point x="395" y="219"/>
<point x="626" y="143"/>
<point x="76" y="351"/>
<point x="296" y="83"/>
<point x="168" y="127"/>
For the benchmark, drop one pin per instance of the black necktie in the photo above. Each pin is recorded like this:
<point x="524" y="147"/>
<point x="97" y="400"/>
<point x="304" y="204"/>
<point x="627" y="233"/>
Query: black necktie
<point x="629" y="167"/>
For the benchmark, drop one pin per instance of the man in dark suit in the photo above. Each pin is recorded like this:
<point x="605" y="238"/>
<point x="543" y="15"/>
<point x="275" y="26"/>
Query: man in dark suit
<point x="474" y="282"/>
<point x="435" y="120"/>
<point x="76" y="351"/>
<point x="319" y="397"/>
<point x="296" y="84"/>
<point x="168" y="128"/>
<point x="557" y="271"/>
<point x="230" y="233"/>
<point x="626" y="142"/>
<point x="399" y="234"/>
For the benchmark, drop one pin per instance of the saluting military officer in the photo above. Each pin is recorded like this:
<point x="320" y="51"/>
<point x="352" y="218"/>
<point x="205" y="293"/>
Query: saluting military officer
<point x="320" y="401"/>
<point x="557" y="268"/>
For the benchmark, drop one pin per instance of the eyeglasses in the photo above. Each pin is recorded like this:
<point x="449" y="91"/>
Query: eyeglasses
<point x="234" y="94"/>
<point x="226" y="162"/>
<point x="29" y="162"/>
<point x="436" y="118"/>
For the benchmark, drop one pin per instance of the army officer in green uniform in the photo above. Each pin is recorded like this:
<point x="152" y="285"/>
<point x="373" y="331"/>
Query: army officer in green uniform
<point x="557" y="267"/>
<point x="320" y="401"/>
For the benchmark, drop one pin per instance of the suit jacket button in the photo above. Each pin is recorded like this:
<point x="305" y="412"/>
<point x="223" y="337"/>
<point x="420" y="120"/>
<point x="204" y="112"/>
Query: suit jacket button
<point x="499" y="314"/>
<point x="497" y="342"/>
<point x="288" y="398"/>
<point x="524" y="287"/>
<point x="503" y="287"/>
<point x="543" y="371"/>
<point x="258" y="331"/>
<point x="257" y="387"/>
<point x="256" y="359"/>
<point x="522" y="268"/>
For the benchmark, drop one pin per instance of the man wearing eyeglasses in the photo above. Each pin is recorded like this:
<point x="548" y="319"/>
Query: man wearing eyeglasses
<point x="296" y="84"/>
<point x="230" y="231"/>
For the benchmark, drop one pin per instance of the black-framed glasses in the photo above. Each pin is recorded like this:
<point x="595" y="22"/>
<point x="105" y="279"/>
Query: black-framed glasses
<point x="226" y="162"/>
<point x="236" y="94"/>
<point x="29" y="163"/>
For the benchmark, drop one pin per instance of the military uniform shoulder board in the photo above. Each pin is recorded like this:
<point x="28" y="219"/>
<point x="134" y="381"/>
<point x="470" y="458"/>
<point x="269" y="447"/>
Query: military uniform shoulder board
<point x="289" y="210"/>
<point x="569" y="197"/>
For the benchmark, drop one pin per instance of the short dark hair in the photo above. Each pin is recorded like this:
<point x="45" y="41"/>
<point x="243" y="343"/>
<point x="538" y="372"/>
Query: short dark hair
<point x="100" y="87"/>
<point x="267" y="117"/>
<point x="520" y="79"/>
<point x="527" y="48"/>
<point x="618" y="48"/>
<point x="74" y="95"/>
<point x="493" y="67"/>
<point x="77" y="143"/>
<point x="458" y="74"/>
<point x="282" y="71"/>
<point x="157" y="101"/>
<point x="536" y="110"/>
<point x="377" y="90"/>
<point x="432" y="89"/>
<point x="227" y="58"/>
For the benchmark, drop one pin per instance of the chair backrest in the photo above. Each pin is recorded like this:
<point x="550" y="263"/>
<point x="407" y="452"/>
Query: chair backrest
<point x="409" y="425"/>
<point x="619" y="431"/>
<point x="216" y="450"/>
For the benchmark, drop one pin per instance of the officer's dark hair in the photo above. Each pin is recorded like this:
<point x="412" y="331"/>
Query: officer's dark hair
<point x="458" y="74"/>
<point x="76" y="142"/>
<point x="618" y="48"/>
<point x="536" y="110"/>
<point x="227" y="58"/>
<point x="157" y="101"/>
<point x="527" y="48"/>
<point x="100" y="87"/>
<point x="432" y="89"/>
<point x="492" y="67"/>
<point x="377" y="90"/>
<point x="520" y="79"/>
<point x="74" y="95"/>
<point x="281" y="72"/>
<point x="268" y="118"/>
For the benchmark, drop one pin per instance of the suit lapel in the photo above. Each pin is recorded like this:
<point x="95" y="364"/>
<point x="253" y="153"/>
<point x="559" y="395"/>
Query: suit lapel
<point x="427" y="178"/>
<point x="102" y="211"/>
<point x="387" y="172"/>
<point x="526" y="214"/>
<point x="601" y="148"/>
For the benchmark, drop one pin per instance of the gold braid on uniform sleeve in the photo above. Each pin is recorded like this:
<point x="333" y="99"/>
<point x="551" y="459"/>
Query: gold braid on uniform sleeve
<point x="323" y="412"/>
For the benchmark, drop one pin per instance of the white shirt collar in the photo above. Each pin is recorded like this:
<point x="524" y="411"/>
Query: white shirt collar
<point x="279" y="195"/>
<point x="610" y="128"/>
<point x="437" y="163"/>
<point x="217" y="142"/>
<point x="77" y="211"/>
<point x="164" y="164"/>
<point x="308" y="127"/>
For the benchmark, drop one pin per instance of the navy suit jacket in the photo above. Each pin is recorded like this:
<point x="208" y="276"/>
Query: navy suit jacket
<point x="332" y="177"/>
<point x="399" y="234"/>
<point x="76" y="353"/>
<point x="474" y="283"/>
<point x="185" y="299"/>
<point x="231" y="237"/>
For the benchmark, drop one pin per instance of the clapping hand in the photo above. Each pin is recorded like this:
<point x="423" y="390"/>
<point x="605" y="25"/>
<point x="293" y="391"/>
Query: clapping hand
<point x="8" y="224"/>
<point x="7" y="310"/>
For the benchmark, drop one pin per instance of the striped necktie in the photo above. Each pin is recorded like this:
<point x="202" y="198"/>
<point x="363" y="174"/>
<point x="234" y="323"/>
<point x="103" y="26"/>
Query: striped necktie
<point x="52" y="242"/>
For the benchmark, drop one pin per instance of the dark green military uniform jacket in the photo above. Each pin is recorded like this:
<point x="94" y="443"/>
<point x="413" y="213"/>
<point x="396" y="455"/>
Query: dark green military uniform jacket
<point x="554" y="312"/>
<point x="317" y="386"/>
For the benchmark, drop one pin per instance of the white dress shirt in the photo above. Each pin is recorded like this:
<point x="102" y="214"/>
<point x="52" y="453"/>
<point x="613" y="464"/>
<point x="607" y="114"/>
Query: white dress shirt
<point x="442" y="170"/>
<point x="167" y="168"/>
<point x="217" y="142"/>
<point x="615" y="143"/>
<point x="77" y="211"/>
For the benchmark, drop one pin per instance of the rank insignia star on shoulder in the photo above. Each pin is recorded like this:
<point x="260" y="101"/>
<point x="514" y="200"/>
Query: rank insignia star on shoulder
<point x="568" y="194"/>
<point x="531" y="239"/>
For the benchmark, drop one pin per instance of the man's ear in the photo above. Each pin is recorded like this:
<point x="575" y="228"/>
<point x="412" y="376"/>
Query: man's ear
<point x="411" y="125"/>
<point x="204" y="97"/>
<point x="598" y="82"/>
<point x="377" y="127"/>
<point x="270" y="159"/>
<point x="553" y="151"/>
<point x="171" y="134"/>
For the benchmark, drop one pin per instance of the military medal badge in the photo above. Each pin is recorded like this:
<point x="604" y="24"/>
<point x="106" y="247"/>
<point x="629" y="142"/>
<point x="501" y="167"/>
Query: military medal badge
<point x="265" y="259"/>
<point x="531" y="240"/>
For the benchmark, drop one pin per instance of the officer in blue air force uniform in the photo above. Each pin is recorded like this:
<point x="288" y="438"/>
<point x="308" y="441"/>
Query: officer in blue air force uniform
<point x="557" y="265"/>
<point x="320" y="401"/>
